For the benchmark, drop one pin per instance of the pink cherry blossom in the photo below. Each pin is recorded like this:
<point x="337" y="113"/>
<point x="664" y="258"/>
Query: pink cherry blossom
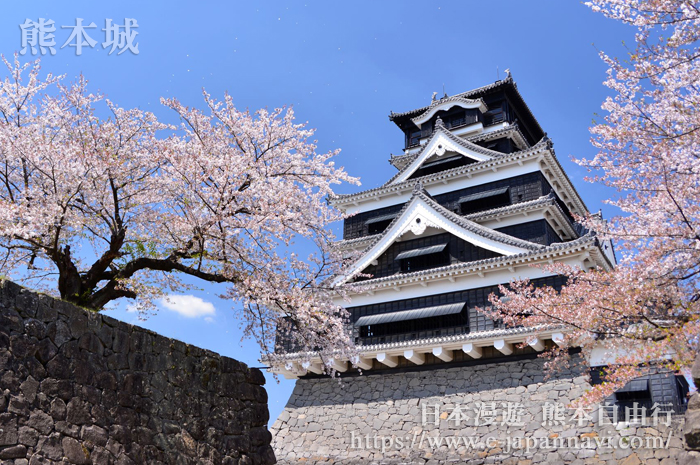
<point x="647" y="310"/>
<point x="102" y="208"/>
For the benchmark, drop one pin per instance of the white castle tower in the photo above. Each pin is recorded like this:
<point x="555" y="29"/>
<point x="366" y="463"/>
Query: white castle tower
<point x="479" y="197"/>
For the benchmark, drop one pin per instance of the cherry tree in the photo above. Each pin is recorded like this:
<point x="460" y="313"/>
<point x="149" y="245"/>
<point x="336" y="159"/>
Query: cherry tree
<point x="124" y="206"/>
<point x="647" y="310"/>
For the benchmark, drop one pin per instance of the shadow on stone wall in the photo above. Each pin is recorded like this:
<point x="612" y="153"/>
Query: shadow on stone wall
<point x="83" y="388"/>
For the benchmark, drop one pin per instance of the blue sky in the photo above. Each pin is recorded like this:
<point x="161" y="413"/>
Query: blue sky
<point x="344" y="67"/>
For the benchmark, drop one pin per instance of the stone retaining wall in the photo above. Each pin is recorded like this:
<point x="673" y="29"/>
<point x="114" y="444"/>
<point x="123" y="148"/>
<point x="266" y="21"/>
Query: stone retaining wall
<point x="83" y="388"/>
<point x="349" y="423"/>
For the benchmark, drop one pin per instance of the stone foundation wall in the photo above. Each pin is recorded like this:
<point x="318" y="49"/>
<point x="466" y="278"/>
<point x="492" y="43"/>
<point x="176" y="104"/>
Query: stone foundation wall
<point x="380" y="419"/>
<point x="82" y="388"/>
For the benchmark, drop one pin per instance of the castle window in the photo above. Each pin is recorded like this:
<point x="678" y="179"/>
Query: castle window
<point x="414" y="314"/>
<point x="411" y="321"/>
<point x="424" y="258"/>
<point x="484" y="200"/>
<point x="495" y="115"/>
<point x="413" y="138"/>
<point x="455" y="120"/>
<point x="667" y="390"/>
<point x="636" y="391"/>
<point x="378" y="224"/>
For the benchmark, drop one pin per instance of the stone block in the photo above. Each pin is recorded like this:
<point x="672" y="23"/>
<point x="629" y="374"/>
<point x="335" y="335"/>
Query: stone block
<point x="8" y="429"/>
<point x="40" y="421"/>
<point x="76" y="452"/>
<point x="14" y="452"/>
<point x="691" y="430"/>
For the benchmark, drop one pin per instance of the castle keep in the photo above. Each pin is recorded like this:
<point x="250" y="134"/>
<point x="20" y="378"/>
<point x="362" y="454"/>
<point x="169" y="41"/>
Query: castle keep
<point x="478" y="198"/>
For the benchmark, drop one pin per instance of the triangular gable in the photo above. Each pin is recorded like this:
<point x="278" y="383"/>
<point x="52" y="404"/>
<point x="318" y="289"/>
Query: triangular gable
<point x="422" y="212"/>
<point x="439" y="144"/>
<point x="511" y="132"/>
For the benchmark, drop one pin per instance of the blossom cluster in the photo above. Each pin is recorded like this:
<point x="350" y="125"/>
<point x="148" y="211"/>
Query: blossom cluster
<point x="104" y="208"/>
<point x="647" y="310"/>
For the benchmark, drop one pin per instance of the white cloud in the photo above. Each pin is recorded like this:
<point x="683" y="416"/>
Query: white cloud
<point x="188" y="306"/>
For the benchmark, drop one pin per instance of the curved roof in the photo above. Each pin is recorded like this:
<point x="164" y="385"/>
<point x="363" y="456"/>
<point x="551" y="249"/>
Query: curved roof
<point x="422" y="211"/>
<point x="541" y="146"/>
<point x="548" y="200"/>
<point x="543" y="150"/>
<point x="441" y="141"/>
<point x="551" y="252"/>
<point x="508" y="84"/>
<point x="445" y="104"/>
<point x="512" y="132"/>
<point x="468" y="94"/>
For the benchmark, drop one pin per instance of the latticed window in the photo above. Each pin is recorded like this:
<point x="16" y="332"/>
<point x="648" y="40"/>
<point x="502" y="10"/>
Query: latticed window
<point x="413" y="138"/>
<point x="495" y="115"/>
